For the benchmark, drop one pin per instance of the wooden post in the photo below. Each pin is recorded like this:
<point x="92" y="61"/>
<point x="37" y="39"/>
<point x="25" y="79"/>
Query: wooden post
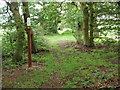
<point x="29" y="43"/>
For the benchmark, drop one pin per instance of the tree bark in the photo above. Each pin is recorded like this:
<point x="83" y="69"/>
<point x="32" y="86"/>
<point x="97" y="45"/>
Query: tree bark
<point x="26" y="15"/>
<point x="85" y="23"/>
<point x="18" y="55"/>
<point x="91" y="25"/>
<point x="79" y="33"/>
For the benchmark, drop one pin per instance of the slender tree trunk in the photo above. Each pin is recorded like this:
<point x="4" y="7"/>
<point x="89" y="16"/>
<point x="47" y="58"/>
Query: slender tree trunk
<point x="79" y="33"/>
<point x="85" y="23"/>
<point x="18" y="55"/>
<point x="91" y="25"/>
<point x="26" y="15"/>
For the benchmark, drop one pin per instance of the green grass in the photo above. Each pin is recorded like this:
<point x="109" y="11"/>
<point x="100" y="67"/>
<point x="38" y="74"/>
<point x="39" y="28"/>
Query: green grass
<point x="54" y="39"/>
<point x="84" y="69"/>
<point x="71" y="65"/>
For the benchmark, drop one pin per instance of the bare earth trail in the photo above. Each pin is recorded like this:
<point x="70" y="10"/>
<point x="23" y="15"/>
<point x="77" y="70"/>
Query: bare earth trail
<point x="12" y="75"/>
<point x="63" y="45"/>
<point x="55" y="81"/>
<point x="64" y="48"/>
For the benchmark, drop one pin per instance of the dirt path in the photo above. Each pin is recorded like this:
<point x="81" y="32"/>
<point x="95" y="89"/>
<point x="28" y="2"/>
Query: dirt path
<point x="63" y="44"/>
<point x="19" y="72"/>
<point x="55" y="81"/>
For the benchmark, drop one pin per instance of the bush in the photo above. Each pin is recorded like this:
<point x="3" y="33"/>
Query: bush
<point x="8" y="43"/>
<point x="109" y="41"/>
<point x="41" y="43"/>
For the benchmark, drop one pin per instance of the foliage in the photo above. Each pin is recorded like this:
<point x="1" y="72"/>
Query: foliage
<point x="41" y="43"/>
<point x="107" y="20"/>
<point x="8" y="43"/>
<point x="82" y="68"/>
<point x="74" y="66"/>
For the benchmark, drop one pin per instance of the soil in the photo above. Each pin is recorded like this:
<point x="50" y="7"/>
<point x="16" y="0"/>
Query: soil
<point x="55" y="81"/>
<point x="62" y="44"/>
<point x="12" y="74"/>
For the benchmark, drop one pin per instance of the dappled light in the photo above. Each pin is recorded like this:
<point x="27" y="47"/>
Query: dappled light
<point x="60" y="45"/>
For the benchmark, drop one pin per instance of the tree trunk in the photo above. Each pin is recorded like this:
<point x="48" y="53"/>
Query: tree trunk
<point x="26" y="15"/>
<point x="18" y="55"/>
<point x="91" y="25"/>
<point x="85" y="23"/>
<point x="79" y="33"/>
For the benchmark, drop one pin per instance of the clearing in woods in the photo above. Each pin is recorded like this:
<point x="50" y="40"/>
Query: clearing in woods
<point x="67" y="65"/>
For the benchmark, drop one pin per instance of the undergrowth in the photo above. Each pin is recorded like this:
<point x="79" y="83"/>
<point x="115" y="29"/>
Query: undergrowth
<point x="75" y="69"/>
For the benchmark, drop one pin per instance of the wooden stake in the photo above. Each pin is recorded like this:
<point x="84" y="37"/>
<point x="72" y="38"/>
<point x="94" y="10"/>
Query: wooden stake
<point x="29" y="48"/>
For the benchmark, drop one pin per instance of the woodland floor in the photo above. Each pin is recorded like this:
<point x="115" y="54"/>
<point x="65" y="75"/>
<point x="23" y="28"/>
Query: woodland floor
<point x="67" y="66"/>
